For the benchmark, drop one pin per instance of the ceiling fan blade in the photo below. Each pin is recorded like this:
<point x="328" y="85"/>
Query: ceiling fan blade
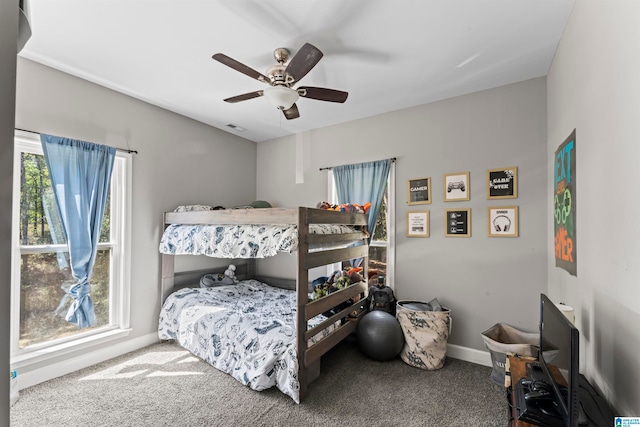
<point x="244" y="96"/>
<point x="238" y="66"/>
<point x="322" y="94"/>
<point x="303" y="61"/>
<point x="291" y="113"/>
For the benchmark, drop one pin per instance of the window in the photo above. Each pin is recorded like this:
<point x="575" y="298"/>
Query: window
<point x="382" y="243"/>
<point x="40" y="259"/>
<point x="378" y="246"/>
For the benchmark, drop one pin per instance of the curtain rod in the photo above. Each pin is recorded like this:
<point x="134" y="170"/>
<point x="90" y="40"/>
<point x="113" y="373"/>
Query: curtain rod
<point x="117" y="149"/>
<point x="393" y="159"/>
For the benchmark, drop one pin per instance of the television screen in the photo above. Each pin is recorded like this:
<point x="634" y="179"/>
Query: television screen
<point x="559" y="357"/>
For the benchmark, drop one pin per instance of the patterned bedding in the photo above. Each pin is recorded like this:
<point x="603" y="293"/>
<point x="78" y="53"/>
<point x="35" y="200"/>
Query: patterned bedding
<point x="246" y="330"/>
<point x="238" y="241"/>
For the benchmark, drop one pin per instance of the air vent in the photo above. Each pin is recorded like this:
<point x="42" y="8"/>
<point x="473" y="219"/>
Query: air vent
<point x="236" y="128"/>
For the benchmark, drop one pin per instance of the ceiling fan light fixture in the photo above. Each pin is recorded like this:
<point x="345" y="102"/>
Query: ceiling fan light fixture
<point x="281" y="97"/>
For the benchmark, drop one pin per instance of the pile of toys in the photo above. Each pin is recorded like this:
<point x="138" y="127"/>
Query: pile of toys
<point x="345" y="207"/>
<point x="338" y="280"/>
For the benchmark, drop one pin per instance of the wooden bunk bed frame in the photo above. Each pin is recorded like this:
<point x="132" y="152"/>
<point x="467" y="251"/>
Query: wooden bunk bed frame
<point x="302" y="217"/>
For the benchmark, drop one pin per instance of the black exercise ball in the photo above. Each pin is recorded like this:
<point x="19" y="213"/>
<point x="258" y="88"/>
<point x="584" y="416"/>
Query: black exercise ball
<point x="379" y="335"/>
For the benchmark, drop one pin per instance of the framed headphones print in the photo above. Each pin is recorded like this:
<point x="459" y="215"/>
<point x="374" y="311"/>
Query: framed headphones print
<point x="503" y="221"/>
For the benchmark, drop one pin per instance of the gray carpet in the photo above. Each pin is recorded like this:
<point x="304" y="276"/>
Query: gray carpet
<point x="163" y="385"/>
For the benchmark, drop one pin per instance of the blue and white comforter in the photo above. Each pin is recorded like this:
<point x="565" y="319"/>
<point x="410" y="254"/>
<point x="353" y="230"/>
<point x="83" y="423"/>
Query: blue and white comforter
<point x="238" y="241"/>
<point x="246" y="330"/>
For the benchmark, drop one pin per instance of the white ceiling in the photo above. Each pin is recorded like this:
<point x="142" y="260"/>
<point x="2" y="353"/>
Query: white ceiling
<point x="388" y="54"/>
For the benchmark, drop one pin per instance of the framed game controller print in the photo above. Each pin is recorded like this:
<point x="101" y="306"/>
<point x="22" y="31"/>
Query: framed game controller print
<point x="502" y="221"/>
<point x="456" y="186"/>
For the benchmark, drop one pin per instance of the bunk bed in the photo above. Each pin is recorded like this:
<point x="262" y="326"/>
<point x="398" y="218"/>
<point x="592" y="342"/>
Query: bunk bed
<point x="316" y="237"/>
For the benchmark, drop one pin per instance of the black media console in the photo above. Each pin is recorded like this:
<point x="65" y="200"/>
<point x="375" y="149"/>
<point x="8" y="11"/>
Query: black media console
<point x="531" y="404"/>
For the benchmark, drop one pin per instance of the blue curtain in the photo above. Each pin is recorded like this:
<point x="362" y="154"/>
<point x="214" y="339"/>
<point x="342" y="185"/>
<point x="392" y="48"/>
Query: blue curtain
<point x="80" y="174"/>
<point x="361" y="183"/>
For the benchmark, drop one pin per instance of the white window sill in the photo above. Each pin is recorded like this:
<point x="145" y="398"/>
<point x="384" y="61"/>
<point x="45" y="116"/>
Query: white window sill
<point x="37" y="356"/>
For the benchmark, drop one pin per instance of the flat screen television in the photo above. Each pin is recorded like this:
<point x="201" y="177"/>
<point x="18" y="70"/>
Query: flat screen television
<point x="559" y="354"/>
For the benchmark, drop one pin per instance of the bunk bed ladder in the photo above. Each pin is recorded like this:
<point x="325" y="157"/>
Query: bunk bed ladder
<point x="309" y="358"/>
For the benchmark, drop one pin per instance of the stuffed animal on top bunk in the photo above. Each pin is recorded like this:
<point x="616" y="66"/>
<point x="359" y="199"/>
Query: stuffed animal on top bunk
<point x="338" y="280"/>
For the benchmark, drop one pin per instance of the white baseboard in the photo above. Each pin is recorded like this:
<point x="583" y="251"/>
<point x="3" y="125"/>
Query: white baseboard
<point x="49" y="372"/>
<point x="37" y="376"/>
<point x="469" y="355"/>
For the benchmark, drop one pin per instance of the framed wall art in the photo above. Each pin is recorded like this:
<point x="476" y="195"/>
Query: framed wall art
<point x="502" y="221"/>
<point x="456" y="186"/>
<point x="419" y="191"/>
<point x="502" y="183"/>
<point x="457" y="222"/>
<point x="418" y="224"/>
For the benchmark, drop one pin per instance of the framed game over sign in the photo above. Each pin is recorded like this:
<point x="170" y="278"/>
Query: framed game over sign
<point x="502" y="183"/>
<point x="419" y="191"/>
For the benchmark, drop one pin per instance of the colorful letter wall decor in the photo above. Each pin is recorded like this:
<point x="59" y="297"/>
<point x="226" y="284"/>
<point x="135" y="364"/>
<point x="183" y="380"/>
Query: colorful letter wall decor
<point x="564" y="206"/>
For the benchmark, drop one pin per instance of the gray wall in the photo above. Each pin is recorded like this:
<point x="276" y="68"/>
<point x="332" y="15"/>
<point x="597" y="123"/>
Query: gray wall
<point x="8" y="31"/>
<point x="482" y="280"/>
<point x="180" y="161"/>
<point x="593" y="86"/>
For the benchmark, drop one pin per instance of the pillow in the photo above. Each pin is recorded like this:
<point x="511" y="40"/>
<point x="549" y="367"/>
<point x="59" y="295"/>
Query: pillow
<point x="213" y="280"/>
<point x="191" y="208"/>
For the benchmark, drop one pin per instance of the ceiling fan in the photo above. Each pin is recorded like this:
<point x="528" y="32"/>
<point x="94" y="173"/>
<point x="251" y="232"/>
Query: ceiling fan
<point x="281" y="78"/>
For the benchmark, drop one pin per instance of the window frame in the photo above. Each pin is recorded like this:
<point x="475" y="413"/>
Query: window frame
<point x="391" y="229"/>
<point x="120" y="267"/>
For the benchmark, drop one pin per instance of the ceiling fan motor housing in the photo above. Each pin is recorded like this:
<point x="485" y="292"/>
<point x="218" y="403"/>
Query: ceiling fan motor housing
<point x="278" y="76"/>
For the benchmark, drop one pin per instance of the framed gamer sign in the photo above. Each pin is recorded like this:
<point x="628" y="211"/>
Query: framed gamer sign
<point x="503" y="221"/>
<point x="419" y="191"/>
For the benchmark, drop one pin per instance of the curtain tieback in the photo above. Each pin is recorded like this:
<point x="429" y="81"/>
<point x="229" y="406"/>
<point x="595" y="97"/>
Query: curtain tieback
<point x="80" y="311"/>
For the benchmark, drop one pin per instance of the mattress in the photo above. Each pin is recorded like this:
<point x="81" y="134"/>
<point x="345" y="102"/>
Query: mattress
<point x="246" y="330"/>
<point x="242" y="241"/>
